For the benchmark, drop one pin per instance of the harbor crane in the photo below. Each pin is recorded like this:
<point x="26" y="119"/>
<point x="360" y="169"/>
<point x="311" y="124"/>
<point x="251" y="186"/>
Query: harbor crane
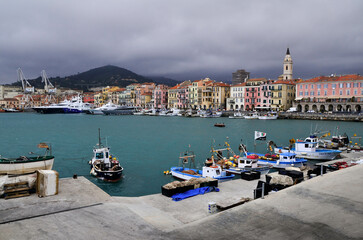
<point x="48" y="88"/>
<point x="28" y="90"/>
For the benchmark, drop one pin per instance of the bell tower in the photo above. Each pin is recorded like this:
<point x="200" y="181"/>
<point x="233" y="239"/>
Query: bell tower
<point x="287" y="72"/>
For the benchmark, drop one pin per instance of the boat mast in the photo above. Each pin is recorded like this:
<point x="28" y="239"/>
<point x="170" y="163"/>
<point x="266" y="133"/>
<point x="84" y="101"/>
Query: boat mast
<point x="99" y="137"/>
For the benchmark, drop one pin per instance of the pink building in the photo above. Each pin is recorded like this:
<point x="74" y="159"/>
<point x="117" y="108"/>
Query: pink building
<point x="183" y="95"/>
<point x="161" y="96"/>
<point x="332" y="93"/>
<point x="253" y="94"/>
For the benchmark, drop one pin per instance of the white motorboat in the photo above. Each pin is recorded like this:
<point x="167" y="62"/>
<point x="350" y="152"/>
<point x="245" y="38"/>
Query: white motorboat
<point x="268" y="116"/>
<point x="107" y="106"/>
<point x="253" y="115"/>
<point x="77" y="105"/>
<point x="237" y="115"/>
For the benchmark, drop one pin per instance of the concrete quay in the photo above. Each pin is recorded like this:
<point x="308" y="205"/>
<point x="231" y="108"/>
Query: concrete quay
<point x="324" y="207"/>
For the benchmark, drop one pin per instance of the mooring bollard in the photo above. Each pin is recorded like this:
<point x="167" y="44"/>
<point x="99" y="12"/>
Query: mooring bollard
<point x="263" y="190"/>
<point x="321" y="170"/>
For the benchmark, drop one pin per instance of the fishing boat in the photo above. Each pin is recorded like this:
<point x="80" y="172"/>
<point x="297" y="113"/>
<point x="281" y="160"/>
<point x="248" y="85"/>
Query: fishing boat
<point x="104" y="166"/>
<point x="186" y="173"/>
<point x="282" y="160"/>
<point x="308" y="149"/>
<point x="107" y="106"/>
<point x="27" y="164"/>
<point x="226" y="158"/>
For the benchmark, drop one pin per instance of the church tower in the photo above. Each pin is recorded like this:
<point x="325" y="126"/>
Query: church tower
<point x="287" y="72"/>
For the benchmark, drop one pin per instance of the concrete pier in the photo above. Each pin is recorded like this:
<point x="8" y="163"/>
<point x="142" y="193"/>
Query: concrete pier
<point x="324" y="207"/>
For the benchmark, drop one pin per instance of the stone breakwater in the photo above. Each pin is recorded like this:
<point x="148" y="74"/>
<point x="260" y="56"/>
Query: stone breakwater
<point x="323" y="116"/>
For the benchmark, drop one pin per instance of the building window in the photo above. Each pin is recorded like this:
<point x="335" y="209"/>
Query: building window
<point x="325" y="93"/>
<point x="319" y="86"/>
<point x="306" y="93"/>
<point x="301" y="93"/>
<point x="341" y="85"/>
<point x="311" y="93"/>
<point x="319" y="93"/>
<point x="355" y="84"/>
<point x="301" y="86"/>
<point x="355" y="92"/>
<point x="312" y="86"/>
<point x="325" y="85"/>
<point x="348" y="92"/>
<point x="333" y="86"/>
<point x="340" y="92"/>
<point x="333" y="93"/>
<point x="348" y="85"/>
<point x="306" y="86"/>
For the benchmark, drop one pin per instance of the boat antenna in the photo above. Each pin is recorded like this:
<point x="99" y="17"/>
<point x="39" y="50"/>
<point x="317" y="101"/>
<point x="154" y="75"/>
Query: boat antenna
<point x="99" y="137"/>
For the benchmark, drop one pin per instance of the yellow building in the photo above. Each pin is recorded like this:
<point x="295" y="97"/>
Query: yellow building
<point x="283" y="95"/>
<point x="196" y="94"/>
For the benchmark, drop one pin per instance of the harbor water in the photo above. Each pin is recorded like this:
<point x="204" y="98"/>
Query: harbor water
<point x="145" y="145"/>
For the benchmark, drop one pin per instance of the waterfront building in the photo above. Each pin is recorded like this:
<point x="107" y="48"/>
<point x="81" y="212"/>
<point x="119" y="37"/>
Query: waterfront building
<point x="287" y="70"/>
<point x="128" y="97"/>
<point x="330" y="93"/>
<point x="143" y="90"/>
<point x="196" y="92"/>
<point x="220" y="92"/>
<point x="252" y="93"/>
<point x="160" y="96"/>
<point x="98" y="99"/>
<point x="9" y="103"/>
<point x="7" y="91"/>
<point x="183" y="95"/>
<point x="236" y="99"/>
<point x="173" y="97"/>
<point x="282" y="94"/>
<point x="240" y="76"/>
<point x="265" y="91"/>
<point x="88" y="97"/>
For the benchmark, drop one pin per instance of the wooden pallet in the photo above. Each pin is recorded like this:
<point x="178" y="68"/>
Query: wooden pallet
<point x="15" y="190"/>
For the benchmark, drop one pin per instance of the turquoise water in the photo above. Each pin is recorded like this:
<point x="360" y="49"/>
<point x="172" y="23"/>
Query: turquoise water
<point x="146" y="146"/>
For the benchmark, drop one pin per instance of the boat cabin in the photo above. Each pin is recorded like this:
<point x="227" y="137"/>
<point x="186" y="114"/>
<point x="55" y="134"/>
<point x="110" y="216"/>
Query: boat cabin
<point x="309" y="145"/>
<point x="212" y="171"/>
<point x="102" y="155"/>
<point x="244" y="162"/>
<point x="287" y="157"/>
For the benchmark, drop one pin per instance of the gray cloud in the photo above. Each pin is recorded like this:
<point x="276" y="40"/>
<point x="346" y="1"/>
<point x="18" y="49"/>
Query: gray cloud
<point x="182" y="39"/>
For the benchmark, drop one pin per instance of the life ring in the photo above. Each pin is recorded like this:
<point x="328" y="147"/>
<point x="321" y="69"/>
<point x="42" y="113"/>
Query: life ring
<point x="280" y="151"/>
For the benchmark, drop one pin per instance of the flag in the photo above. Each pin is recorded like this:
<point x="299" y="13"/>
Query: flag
<point x="260" y="135"/>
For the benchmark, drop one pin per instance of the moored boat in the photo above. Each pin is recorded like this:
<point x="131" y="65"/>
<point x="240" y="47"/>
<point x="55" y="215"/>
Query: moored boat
<point x="184" y="173"/>
<point x="122" y="110"/>
<point x="308" y="149"/>
<point x="104" y="166"/>
<point x="107" y="106"/>
<point x="27" y="164"/>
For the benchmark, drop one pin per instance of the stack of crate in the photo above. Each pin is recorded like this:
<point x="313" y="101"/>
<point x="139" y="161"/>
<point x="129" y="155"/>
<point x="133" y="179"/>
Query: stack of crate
<point x="15" y="190"/>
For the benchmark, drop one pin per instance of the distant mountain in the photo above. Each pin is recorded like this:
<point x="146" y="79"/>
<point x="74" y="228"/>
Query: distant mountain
<point x="163" y="80"/>
<point x="97" y="77"/>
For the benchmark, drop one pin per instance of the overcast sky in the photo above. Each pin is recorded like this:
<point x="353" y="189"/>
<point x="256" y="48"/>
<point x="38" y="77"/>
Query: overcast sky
<point x="186" y="39"/>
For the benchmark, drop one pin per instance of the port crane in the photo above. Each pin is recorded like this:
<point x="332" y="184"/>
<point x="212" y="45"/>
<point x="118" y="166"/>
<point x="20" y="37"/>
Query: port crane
<point x="28" y="90"/>
<point x="49" y="89"/>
